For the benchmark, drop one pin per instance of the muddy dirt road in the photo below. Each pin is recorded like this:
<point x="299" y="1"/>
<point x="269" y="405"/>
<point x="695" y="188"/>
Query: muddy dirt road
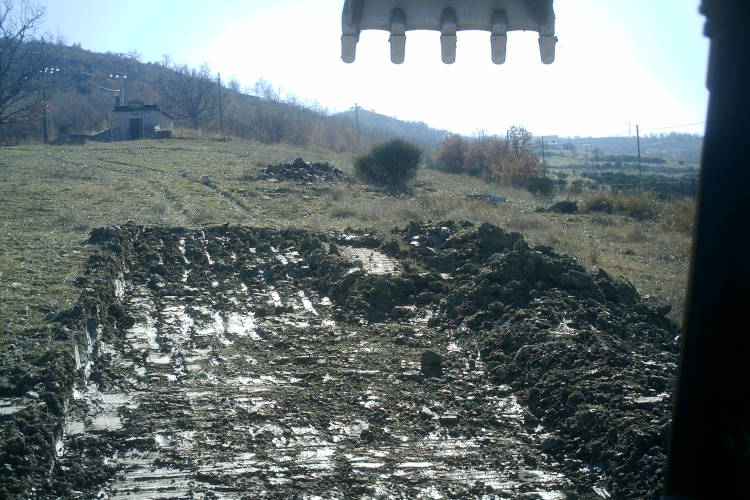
<point x="441" y="361"/>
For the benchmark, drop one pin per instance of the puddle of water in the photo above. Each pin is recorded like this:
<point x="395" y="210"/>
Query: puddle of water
<point x="74" y="427"/>
<point x="59" y="448"/>
<point x="181" y="246"/>
<point x="651" y="399"/>
<point x="242" y="325"/>
<point x="162" y="440"/>
<point x="77" y="355"/>
<point x="120" y="286"/>
<point x="106" y="422"/>
<point x="414" y="465"/>
<point x="10" y="406"/>
<point x="275" y="298"/>
<point x="156" y="359"/>
<point x="564" y="329"/>
<point x="372" y="261"/>
<point x="602" y="492"/>
<point x="306" y="303"/>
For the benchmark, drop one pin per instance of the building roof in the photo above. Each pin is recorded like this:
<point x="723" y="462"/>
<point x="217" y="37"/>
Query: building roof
<point x="142" y="107"/>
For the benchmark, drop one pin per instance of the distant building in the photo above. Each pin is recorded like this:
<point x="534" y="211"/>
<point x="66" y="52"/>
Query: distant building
<point x="138" y="120"/>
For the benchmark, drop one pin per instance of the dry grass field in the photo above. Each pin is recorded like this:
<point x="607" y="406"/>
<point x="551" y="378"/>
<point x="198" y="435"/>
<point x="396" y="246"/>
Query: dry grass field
<point x="108" y="335"/>
<point x="52" y="196"/>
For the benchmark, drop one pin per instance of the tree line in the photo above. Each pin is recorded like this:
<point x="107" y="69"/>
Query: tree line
<point x="79" y="93"/>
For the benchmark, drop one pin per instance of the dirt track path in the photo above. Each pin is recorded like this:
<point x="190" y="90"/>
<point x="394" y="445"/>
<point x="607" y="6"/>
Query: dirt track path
<point x="227" y="386"/>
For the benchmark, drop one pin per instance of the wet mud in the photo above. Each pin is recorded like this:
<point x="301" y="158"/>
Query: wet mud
<point x="439" y="361"/>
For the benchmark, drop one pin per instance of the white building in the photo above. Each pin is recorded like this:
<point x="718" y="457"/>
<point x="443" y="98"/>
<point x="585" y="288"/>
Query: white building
<point x="138" y="120"/>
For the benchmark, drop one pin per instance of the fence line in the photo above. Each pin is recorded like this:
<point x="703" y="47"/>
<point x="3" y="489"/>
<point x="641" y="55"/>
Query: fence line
<point x="662" y="189"/>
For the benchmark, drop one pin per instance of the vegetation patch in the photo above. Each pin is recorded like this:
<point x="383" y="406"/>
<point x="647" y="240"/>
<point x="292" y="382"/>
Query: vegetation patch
<point x="393" y="164"/>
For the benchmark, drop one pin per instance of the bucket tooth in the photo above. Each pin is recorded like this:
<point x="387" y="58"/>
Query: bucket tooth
<point x="448" y="25"/>
<point x="348" y="47"/>
<point x="499" y="37"/>
<point x="547" y="48"/>
<point x="498" y="17"/>
<point x="398" y="36"/>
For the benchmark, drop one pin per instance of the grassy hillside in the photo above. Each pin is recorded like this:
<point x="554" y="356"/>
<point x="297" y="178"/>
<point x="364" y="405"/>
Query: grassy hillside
<point x="53" y="196"/>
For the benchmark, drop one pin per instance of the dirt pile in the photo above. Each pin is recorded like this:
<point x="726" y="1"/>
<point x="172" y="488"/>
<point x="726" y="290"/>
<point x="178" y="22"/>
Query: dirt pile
<point x="442" y="359"/>
<point x="590" y="360"/>
<point x="304" y="172"/>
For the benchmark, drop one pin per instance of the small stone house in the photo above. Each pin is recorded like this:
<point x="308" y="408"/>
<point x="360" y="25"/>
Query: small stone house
<point x="137" y="121"/>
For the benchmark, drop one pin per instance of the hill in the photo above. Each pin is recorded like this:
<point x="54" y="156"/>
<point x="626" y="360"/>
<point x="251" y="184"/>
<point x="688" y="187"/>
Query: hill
<point x="417" y="132"/>
<point x="81" y="91"/>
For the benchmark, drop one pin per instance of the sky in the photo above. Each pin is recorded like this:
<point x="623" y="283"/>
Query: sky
<point x="618" y="62"/>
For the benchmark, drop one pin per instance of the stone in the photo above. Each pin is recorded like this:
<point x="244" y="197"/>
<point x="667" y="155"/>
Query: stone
<point x="432" y="363"/>
<point x="448" y="420"/>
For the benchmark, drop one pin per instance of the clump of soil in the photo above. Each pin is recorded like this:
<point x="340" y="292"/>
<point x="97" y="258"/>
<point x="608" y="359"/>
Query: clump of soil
<point x="304" y="171"/>
<point x="588" y="357"/>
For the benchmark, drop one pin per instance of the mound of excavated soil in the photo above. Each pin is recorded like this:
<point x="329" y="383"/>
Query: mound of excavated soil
<point x="443" y="359"/>
<point x="304" y="171"/>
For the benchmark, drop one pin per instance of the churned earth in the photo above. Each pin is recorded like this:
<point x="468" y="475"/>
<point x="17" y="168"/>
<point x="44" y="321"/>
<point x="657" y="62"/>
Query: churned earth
<point x="440" y="361"/>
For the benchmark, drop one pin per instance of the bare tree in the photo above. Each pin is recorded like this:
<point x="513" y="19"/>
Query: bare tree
<point x="20" y="63"/>
<point x="191" y="93"/>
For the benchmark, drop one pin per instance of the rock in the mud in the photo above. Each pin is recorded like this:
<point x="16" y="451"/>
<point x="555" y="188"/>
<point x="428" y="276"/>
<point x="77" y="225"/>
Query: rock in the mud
<point x="305" y="360"/>
<point x="448" y="420"/>
<point x="552" y="443"/>
<point x="156" y="281"/>
<point x="432" y="363"/>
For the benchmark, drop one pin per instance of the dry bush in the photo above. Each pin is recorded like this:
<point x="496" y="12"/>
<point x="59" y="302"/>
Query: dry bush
<point x="343" y="212"/>
<point x="598" y="202"/>
<point x="679" y="215"/>
<point x="636" y="235"/>
<point x="639" y="205"/>
<point x="452" y="154"/>
<point x="508" y="160"/>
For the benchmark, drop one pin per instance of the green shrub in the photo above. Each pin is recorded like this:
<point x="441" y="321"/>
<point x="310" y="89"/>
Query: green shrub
<point x="393" y="163"/>
<point x="541" y="186"/>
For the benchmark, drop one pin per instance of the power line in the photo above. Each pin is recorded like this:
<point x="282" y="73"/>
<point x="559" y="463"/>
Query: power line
<point x="97" y="85"/>
<point x="677" y="126"/>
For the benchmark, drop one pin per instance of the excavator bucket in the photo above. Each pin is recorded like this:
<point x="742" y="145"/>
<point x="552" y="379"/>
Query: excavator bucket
<point x="496" y="16"/>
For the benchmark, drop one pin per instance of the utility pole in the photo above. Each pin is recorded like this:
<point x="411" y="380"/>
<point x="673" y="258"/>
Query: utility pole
<point x="356" y="120"/>
<point x="638" y="142"/>
<point x="544" y="163"/>
<point x="45" y="132"/>
<point x="221" y="113"/>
